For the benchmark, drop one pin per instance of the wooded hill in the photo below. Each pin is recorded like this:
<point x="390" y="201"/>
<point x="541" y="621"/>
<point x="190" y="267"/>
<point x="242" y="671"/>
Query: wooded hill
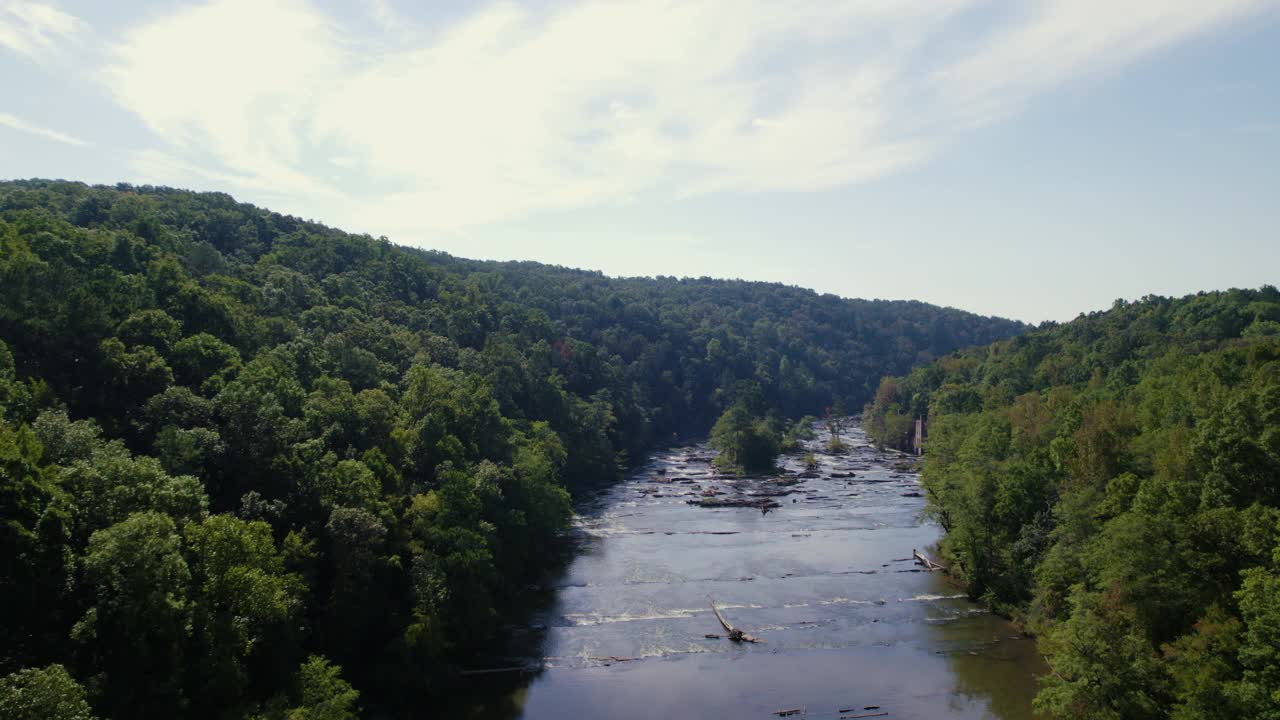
<point x="253" y="465"/>
<point x="1114" y="483"/>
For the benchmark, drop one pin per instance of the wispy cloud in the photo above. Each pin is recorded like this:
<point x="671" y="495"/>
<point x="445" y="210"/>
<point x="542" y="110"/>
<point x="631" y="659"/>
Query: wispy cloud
<point x="33" y="29"/>
<point x="236" y="80"/>
<point x="1047" y="43"/>
<point x="16" y="123"/>
<point x="513" y="110"/>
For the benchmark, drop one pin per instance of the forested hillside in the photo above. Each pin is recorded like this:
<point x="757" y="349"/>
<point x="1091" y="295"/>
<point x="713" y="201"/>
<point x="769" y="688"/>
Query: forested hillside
<point x="1115" y="483"/>
<point x="251" y="465"/>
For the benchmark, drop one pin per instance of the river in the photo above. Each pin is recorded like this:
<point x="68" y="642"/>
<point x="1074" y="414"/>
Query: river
<point x="850" y="624"/>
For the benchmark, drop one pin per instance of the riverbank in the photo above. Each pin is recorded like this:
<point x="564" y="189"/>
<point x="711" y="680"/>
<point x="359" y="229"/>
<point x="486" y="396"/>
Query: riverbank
<point x="820" y="568"/>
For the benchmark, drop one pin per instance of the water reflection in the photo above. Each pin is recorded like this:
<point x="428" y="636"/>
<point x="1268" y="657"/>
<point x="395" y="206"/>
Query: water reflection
<point x="984" y="654"/>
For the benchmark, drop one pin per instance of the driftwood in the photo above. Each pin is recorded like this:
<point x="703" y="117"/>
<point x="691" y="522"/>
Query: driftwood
<point x="867" y="715"/>
<point x="771" y="493"/>
<point x="714" y="502"/>
<point x="735" y="634"/>
<point x="925" y="561"/>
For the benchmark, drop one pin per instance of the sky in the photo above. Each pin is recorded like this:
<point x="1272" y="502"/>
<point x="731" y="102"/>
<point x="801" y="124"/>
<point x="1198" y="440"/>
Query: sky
<point x="1032" y="159"/>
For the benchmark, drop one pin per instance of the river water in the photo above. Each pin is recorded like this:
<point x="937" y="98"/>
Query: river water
<point x="850" y="624"/>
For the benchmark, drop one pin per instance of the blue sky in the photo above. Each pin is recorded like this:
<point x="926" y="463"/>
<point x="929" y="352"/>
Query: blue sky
<point x="1033" y="159"/>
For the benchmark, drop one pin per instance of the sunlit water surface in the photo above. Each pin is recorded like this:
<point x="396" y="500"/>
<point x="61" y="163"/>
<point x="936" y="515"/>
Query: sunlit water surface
<point x="826" y="580"/>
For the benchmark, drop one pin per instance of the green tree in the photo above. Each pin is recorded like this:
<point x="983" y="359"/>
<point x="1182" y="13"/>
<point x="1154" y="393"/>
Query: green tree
<point x="323" y="694"/>
<point x="203" y="357"/>
<point x="48" y="693"/>
<point x="242" y="603"/>
<point x="356" y="543"/>
<point x="1111" y="482"/>
<point x="1258" y="690"/>
<point x="408" y="424"/>
<point x="35" y="535"/>
<point x="135" y="633"/>
<point x="150" y="327"/>
<point x="745" y="442"/>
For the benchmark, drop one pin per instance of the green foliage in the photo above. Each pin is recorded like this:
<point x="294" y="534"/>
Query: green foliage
<point x="323" y="693"/>
<point x="242" y="603"/>
<point x="1257" y="693"/>
<point x="201" y="358"/>
<point x="48" y="693"/>
<point x="34" y="536"/>
<point x="153" y="328"/>
<point x="231" y="440"/>
<point x="747" y="443"/>
<point x="136" y="629"/>
<point x="835" y="421"/>
<point x="1115" y="483"/>
<point x="798" y="433"/>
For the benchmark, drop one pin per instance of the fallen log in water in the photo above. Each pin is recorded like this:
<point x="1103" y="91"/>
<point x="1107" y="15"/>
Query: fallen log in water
<point x="921" y="559"/>
<point x="769" y="493"/>
<point x="715" y="502"/>
<point x="735" y="634"/>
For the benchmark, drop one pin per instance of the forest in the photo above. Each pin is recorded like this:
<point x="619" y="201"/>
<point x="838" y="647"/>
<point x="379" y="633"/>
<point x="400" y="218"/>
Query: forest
<point x="251" y="466"/>
<point x="1113" y="484"/>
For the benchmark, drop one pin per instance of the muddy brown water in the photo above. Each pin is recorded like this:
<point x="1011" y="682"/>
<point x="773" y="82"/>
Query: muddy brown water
<point x="848" y="620"/>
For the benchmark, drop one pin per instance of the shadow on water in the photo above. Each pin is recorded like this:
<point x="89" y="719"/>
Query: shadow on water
<point x="983" y="653"/>
<point x="985" y="677"/>
<point x="495" y="686"/>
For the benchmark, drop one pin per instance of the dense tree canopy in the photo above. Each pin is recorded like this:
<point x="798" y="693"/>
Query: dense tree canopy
<point x="48" y="693"/>
<point x="240" y="451"/>
<point x="1115" y="483"/>
<point x="747" y="435"/>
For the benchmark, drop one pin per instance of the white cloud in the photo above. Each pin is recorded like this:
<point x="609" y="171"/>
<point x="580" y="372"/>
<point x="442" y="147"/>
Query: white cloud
<point x="155" y="167"/>
<point x="16" y="123"/>
<point x="235" y="79"/>
<point x="1050" y="42"/>
<point x="513" y="110"/>
<point x="388" y="19"/>
<point x="34" y="29"/>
